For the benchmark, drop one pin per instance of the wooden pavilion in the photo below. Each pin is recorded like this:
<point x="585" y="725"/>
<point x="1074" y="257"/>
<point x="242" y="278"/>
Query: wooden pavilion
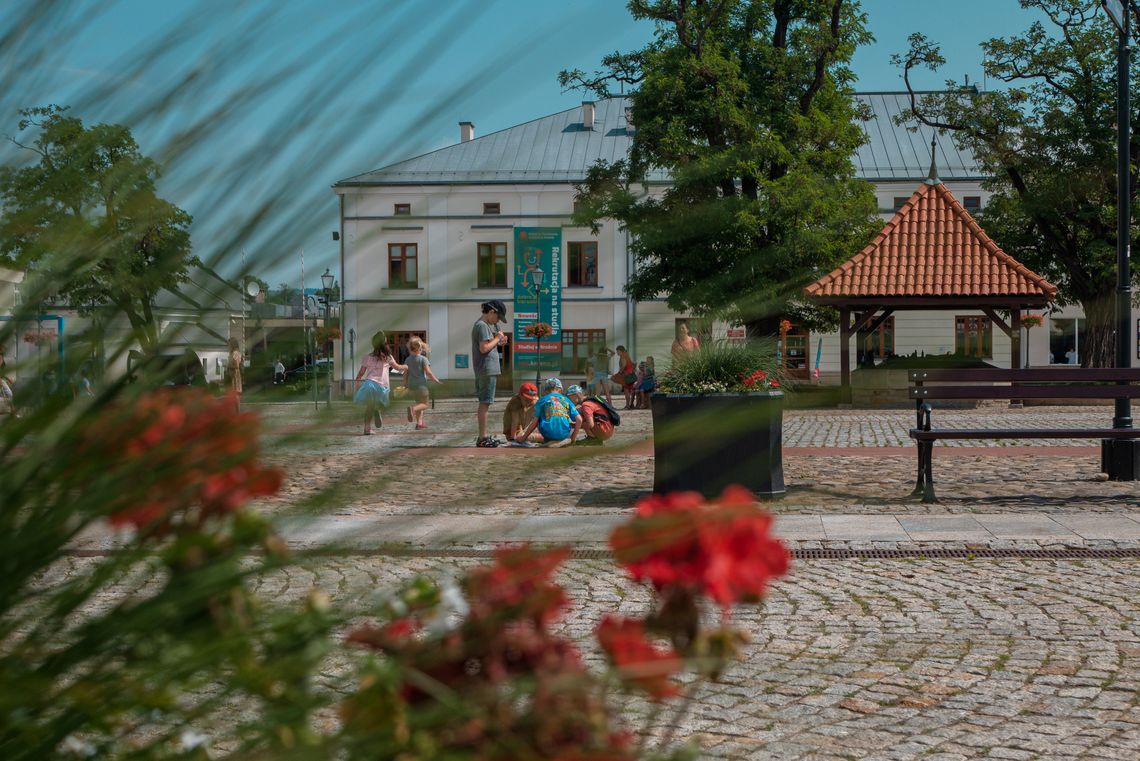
<point x="932" y="255"/>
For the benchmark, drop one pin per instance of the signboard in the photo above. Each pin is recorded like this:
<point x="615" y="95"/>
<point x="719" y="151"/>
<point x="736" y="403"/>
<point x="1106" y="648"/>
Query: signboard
<point x="1116" y="12"/>
<point x="461" y="361"/>
<point x="538" y="297"/>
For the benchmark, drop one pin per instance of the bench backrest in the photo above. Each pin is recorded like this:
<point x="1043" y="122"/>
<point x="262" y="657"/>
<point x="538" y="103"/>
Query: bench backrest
<point x="1025" y="383"/>
<point x="1026" y="375"/>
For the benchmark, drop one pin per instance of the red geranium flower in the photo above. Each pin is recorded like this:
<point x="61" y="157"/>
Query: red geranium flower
<point x="722" y="549"/>
<point x="174" y="452"/>
<point x="639" y="661"/>
<point x="519" y="579"/>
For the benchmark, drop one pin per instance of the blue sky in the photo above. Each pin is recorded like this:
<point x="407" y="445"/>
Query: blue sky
<point x="285" y="98"/>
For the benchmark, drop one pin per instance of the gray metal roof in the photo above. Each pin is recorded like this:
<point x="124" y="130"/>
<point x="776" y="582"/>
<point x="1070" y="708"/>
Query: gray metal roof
<point x="557" y="148"/>
<point x="893" y="153"/>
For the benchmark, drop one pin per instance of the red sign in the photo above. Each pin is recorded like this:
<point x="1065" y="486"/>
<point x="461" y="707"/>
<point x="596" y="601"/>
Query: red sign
<point x="548" y="347"/>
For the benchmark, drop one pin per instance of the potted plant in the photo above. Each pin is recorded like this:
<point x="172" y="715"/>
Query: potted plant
<point x="718" y="420"/>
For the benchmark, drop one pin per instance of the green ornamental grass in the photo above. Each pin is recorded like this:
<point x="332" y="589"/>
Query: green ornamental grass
<point x="725" y="367"/>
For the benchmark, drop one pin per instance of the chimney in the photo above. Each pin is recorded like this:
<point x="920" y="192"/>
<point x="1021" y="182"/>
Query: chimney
<point x="588" y="114"/>
<point x="466" y="132"/>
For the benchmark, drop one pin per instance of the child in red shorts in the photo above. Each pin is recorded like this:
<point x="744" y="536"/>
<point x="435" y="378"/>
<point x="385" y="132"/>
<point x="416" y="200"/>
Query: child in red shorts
<point x="595" y="420"/>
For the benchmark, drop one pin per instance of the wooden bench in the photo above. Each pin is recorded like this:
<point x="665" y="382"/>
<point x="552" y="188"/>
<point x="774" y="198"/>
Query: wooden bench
<point x="996" y="383"/>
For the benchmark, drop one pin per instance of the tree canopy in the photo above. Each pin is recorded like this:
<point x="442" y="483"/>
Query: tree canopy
<point x="1047" y="142"/>
<point x="747" y="106"/>
<point x="87" y="217"/>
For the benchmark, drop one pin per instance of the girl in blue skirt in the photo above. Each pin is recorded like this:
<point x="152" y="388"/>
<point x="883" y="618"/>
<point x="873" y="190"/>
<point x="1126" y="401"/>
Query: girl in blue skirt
<point x="374" y="390"/>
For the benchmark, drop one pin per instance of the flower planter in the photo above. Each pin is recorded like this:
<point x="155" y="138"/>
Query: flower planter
<point x="705" y="442"/>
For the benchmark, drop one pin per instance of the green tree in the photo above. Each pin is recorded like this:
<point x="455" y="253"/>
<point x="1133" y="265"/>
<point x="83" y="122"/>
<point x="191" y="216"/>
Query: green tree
<point x="284" y="294"/>
<point x="1048" y="144"/>
<point x="87" y="216"/>
<point x="747" y="107"/>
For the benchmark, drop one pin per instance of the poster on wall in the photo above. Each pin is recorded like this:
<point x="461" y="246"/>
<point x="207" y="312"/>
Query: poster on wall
<point x="538" y="297"/>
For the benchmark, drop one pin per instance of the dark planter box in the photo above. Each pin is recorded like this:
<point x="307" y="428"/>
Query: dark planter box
<point x="705" y="442"/>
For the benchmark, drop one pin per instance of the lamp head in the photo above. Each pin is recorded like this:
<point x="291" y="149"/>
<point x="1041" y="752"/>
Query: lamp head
<point x="327" y="280"/>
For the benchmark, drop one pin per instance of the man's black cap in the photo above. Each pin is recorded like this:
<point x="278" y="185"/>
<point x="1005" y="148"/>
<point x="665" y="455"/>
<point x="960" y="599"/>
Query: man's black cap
<point x="498" y="306"/>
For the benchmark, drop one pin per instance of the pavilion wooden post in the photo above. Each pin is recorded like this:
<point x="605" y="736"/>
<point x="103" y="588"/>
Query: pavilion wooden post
<point x="1015" y="338"/>
<point x="844" y="355"/>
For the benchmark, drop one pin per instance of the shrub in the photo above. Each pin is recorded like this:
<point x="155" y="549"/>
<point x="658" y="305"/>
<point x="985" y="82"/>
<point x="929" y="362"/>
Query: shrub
<point x="723" y="367"/>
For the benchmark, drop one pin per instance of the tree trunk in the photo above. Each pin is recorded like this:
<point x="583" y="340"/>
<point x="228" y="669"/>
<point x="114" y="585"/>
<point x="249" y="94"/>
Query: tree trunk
<point x="1098" y="348"/>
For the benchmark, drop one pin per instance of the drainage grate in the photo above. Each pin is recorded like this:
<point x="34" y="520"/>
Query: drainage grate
<point x="816" y="553"/>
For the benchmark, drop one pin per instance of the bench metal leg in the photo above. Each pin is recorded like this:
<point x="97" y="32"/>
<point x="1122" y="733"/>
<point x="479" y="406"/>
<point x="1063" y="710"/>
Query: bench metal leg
<point x="920" y="481"/>
<point x="928" y="492"/>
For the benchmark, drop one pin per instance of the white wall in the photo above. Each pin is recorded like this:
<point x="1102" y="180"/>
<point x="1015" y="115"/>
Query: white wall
<point x="447" y="301"/>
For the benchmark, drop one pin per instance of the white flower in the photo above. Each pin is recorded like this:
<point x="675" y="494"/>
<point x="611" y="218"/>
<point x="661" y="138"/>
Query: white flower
<point x="73" y="745"/>
<point x="192" y="738"/>
<point x="452" y="608"/>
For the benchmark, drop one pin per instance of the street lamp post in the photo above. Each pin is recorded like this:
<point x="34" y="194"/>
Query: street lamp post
<point x="538" y="277"/>
<point x="1121" y="459"/>
<point x="327" y="280"/>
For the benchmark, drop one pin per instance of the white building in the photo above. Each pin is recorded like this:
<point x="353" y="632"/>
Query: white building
<point x="201" y="316"/>
<point x="424" y="241"/>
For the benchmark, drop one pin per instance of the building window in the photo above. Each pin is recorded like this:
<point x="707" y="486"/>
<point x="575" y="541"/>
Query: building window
<point x="491" y="208"/>
<point x="1066" y="340"/>
<point x="879" y="344"/>
<point x="402" y="209"/>
<point x="974" y="337"/>
<point x="398" y="342"/>
<point x="492" y="265"/>
<point x="583" y="263"/>
<point x="577" y="346"/>
<point x="972" y="204"/>
<point x="403" y="271"/>
<point x="900" y="201"/>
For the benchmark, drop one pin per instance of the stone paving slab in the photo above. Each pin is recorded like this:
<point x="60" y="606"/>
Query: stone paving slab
<point x="945" y="528"/>
<point x="869" y="527"/>
<point x="1100" y="526"/>
<point x="1042" y="527"/>
<point x="443" y="529"/>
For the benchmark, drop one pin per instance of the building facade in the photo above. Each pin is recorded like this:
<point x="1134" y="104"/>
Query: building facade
<point x="425" y="241"/>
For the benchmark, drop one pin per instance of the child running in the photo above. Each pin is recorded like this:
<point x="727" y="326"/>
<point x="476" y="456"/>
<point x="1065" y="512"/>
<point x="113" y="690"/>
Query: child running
<point x="418" y="375"/>
<point x="555" y="417"/>
<point x="596" y="422"/>
<point x="373" y="392"/>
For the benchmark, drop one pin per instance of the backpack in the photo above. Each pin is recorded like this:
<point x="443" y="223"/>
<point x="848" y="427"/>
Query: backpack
<point x="611" y="413"/>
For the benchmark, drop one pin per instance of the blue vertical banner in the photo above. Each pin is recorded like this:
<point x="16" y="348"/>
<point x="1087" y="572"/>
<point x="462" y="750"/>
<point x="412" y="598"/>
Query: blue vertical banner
<point x="538" y="297"/>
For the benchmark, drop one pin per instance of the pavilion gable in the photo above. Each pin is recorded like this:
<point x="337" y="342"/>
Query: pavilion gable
<point x="932" y="247"/>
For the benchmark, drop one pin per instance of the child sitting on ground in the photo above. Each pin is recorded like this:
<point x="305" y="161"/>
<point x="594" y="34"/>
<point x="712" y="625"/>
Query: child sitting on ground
<point x="555" y="417"/>
<point x="520" y="411"/>
<point x="596" y="422"/>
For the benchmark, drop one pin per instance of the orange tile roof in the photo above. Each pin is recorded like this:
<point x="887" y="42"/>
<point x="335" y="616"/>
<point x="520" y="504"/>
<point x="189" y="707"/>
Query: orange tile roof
<point x="932" y="247"/>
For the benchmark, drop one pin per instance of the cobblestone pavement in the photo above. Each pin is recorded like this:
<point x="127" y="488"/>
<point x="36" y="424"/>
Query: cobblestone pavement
<point x="883" y="660"/>
<point x="402" y="472"/>
<point x="865" y="659"/>
<point x="897" y="660"/>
